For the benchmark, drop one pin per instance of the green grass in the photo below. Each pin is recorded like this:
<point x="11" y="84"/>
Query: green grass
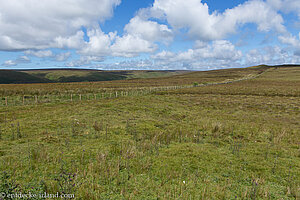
<point x="233" y="141"/>
<point x="188" y="78"/>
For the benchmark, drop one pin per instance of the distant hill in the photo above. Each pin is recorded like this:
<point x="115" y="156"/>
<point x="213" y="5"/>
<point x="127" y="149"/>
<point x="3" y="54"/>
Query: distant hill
<point x="87" y="75"/>
<point x="77" y="75"/>
<point x="10" y="76"/>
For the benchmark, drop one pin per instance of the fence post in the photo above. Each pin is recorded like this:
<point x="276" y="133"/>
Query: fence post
<point x="36" y="100"/>
<point x="23" y="100"/>
<point x="80" y="97"/>
<point x="71" y="97"/>
<point x="6" y="101"/>
<point x="116" y="94"/>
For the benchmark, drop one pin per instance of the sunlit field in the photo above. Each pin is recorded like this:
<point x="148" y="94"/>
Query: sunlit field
<point x="224" y="134"/>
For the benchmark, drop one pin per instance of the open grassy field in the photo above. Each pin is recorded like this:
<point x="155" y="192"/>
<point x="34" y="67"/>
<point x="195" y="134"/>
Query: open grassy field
<point x="94" y="87"/>
<point x="239" y="140"/>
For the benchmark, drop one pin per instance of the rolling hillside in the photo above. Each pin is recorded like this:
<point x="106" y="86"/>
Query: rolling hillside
<point x="76" y="75"/>
<point x="10" y="76"/>
<point x="238" y="140"/>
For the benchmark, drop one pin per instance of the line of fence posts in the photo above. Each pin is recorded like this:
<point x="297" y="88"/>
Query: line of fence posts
<point x="135" y="92"/>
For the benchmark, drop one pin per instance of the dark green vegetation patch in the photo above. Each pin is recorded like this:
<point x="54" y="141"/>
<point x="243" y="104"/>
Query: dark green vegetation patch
<point x="76" y="75"/>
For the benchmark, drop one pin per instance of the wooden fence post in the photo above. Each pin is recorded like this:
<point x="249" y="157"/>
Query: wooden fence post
<point x="36" y="100"/>
<point x="71" y="97"/>
<point x="6" y="101"/>
<point x="80" y="97"/>
<point x="23" y="100"/>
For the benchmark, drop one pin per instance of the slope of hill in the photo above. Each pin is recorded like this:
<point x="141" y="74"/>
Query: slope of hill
<point x="80" y="75"/>
<point x="11" y="76"/>
<point x="77" y="75"/>
<point x="174" y="77"/>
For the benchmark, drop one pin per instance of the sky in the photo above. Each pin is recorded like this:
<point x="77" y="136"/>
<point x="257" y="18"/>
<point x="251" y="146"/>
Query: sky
<point x="148" y="34"/>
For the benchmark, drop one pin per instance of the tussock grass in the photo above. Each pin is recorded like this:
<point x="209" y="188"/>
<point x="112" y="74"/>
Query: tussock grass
<point x="235" y="141"/>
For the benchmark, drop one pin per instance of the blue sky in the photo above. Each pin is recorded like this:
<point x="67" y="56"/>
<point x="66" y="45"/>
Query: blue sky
<point x="148" y="34"/>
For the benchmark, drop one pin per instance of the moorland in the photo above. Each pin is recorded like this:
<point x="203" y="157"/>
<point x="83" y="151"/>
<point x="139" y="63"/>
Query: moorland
<point x="222" y="134"/>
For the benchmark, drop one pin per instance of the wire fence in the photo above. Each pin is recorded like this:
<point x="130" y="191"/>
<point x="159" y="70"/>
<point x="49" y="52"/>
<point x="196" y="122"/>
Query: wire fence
<point x="108" y="94"/>
<point x="67" y="97"/>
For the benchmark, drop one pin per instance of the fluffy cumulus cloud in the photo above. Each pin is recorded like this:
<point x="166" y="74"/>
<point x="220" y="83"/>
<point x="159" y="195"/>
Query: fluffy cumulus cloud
<point x="139" y="37"/>
<point x="271" y="56"/>
<point x="39" y="24"/>
<point x="201" y="24"/>
<point x="286" y="6"/>
<point x="218" y="53"/>
<point x="48" y="54"/>
<point x="99" y="43"/>
<point x="131" y="45"/>
<point x="148" y="30"/>
<point x="74" y="41"/>
<point x="40" y="27"/>
<point x="20" y="60"/>
<point x="291" y="40"/>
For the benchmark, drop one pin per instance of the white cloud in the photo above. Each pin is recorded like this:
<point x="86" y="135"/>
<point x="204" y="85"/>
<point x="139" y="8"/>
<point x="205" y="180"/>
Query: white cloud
<point x="164" y="55"/>
<point x="84" y="60"/>
<point x="200" y="44"/>
<point x="218" y="53"/>
<point x="271" y="55"/>
<point x="286" y="6"/>
<point x="129" y="65"/>
<point x="139" y="37"/>
<point x="99" y="43"/>
<point x="148" y="30"/>
<point x="69" y="42"/>
<point x="20" y="60"/>
<point x="62" y="56"/>
<point x="220" y="49"/>
<point x="290" y="40"/>
<point x="131" y="46"/>
<point x="48" y="54"/>
<point x="37" y="24"/>
<point x="9" y="63"/>
<point x="203" y="25"/>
